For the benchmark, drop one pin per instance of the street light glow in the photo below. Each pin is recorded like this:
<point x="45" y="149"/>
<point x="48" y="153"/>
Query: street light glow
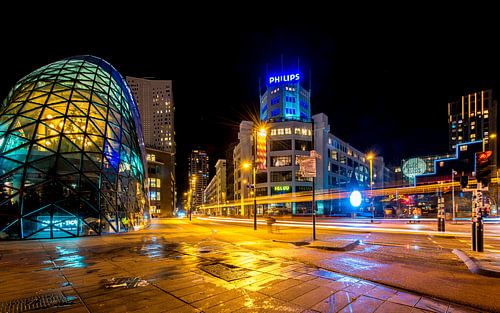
<point x="355" y="198"/>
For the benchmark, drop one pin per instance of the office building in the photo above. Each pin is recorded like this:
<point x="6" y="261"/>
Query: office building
<point x="198" y="176"/>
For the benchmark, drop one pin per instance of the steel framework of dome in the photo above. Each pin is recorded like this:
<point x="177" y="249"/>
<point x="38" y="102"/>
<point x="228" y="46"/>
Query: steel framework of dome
<point x="71" y="153"/>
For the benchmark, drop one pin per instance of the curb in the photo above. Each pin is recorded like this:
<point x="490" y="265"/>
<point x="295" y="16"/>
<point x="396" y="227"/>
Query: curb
<point x="473" y="266"/>
<point x="346" y="247"/>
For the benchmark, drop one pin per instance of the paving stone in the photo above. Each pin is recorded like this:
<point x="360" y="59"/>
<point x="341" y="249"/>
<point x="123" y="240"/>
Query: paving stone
<point x="432" y="305"/>
<point x="279" y="286"/>
<point x="218" y="299"/>
<point x="248" y="300"/>
<point x="404" y="298"/>
<point x="313" y="297"/>
<point x="271" y="305"/>
<point x="295" y="291"/>
<point x="381" y="292"/>
<point x="391" y="307"/>
<point x="183" y="309"/>
<point x="362" y="304"/>
<point x="359" y="288"/>
<point x="334" y="302"/>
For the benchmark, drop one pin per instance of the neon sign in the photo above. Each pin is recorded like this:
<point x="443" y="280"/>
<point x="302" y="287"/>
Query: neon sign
<point x="281" y="188"/>
<point x="68" y="223"/>
<point x="284" y="78"/>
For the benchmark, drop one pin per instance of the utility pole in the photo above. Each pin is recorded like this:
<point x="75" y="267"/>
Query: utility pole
<point x="453" y="193"/>
<point x="441" y="213"/>
<point x="313" y="184"/>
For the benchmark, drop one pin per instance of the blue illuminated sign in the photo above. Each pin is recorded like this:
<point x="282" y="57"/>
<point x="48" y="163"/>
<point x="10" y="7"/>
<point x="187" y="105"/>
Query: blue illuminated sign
<point x="68" y="223"/>
<point x="284" y="78"/>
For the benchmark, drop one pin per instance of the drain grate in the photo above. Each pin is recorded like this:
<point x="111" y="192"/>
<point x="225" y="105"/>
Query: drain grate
<point x="225" y="271"/>
<point x="37" y="302"/>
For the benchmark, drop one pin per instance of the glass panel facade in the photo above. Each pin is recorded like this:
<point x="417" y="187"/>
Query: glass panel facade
<point x="71" y="153"/>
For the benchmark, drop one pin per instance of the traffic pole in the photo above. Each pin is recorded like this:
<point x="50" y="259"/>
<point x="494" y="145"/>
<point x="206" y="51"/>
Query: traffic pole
<point x="474" y="220"/>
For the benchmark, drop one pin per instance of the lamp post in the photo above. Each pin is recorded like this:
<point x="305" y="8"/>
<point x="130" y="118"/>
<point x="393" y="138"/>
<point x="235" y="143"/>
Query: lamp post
<point x="370" y="157"/>
<point x="193" y="187"/>
<point x="453" y="173"/>
<point x="260" y="132"/>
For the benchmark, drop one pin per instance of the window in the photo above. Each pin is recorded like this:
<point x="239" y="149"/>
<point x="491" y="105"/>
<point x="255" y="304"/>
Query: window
<point x="303" y="145"/>
<point x="275" y="112"/>
<point x="281" y="161"/>
<point x="151" y="157"/>
<point x="288" y="131"/>
<point x="280" y="145"/>
<point x="281" y="176"/>
<point x="261" y="178"/>
<point x="334" y="155"/>
<point x="154" y="195"/>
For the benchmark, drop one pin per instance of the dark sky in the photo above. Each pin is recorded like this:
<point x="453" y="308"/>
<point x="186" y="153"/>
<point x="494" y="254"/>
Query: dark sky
<point x="383" y="88"/>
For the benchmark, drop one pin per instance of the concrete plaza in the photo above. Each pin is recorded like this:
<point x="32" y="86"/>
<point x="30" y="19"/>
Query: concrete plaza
<point x="189" y="268"/>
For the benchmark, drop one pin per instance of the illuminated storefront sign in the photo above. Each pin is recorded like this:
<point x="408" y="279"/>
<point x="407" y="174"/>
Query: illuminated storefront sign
<point x="261" y="150"/>
<point x="67" y="223"/>
<point x="281" y="189"/>
<point x="413" y="167"/>
<point x="284" y="78"/>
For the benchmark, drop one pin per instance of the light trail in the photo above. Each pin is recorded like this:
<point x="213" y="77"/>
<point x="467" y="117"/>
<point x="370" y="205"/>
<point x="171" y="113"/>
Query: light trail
<point x="306" y="196"/>
<point x="348" y="227"/>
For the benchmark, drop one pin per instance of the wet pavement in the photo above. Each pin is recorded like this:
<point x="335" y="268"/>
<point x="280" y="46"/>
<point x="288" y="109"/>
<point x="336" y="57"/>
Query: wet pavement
<point x="187" y="271"/>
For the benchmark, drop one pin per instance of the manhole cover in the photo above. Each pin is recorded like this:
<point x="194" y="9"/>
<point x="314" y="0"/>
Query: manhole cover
<point x="225" y="271"/>
<point x="37" y="302"/>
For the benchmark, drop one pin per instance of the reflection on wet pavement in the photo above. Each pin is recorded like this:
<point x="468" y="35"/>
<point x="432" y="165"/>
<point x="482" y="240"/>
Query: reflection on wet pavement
<point x="211" y="276"/>
<point x="68" y="258"/>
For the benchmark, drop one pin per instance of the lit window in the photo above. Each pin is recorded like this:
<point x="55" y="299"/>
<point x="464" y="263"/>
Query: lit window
<point x="288" y="131"/>
<point x="281" y="131"/>
<point x="273" y="132"/>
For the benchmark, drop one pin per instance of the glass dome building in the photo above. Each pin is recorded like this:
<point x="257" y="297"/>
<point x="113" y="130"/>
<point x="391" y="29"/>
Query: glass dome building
<point x="71" y="153"/>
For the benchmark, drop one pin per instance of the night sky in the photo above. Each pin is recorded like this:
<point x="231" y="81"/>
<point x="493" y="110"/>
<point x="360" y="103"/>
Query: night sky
<point x="383" y="89"/>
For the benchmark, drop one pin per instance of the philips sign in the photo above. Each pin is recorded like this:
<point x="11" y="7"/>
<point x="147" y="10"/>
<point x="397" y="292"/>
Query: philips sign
<point x="284" y="78"/>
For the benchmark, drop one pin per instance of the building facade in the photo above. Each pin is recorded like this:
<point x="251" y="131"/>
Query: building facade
<point x="243" y="153"/>
<point x="215" y="193"/>
<point x="285" y="108"/>
<point x="161" y="181"/>
<point x="156" y="106"/>
<point x="198" y="176"/>
<point x="72" y="159"/>
<point x="286" y="142"/>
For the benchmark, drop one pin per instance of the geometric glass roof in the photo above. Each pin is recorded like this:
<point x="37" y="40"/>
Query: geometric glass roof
<point x="71" y="153"/>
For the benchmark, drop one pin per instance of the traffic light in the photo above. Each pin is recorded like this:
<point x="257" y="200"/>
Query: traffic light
<point x="483" y="170"/>
<point x="464" y="181"/>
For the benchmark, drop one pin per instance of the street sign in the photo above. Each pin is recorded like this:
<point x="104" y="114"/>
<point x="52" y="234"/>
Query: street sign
<point x="307" y="165"/>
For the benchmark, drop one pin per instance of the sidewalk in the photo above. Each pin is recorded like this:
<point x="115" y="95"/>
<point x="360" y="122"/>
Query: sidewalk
<point x="186" y="273"/>
<point x="481" y="263"/>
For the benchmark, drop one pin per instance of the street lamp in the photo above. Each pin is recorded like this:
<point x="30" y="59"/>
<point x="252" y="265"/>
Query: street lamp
<point x="453" y="173"/>
<point x="370" y="157"/>
<point x="193" y="187"/>
<point x="259" y="133"/>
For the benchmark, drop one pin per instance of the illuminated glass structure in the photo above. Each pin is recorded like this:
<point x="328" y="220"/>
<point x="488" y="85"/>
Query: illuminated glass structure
<point x="71" y="153"/>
